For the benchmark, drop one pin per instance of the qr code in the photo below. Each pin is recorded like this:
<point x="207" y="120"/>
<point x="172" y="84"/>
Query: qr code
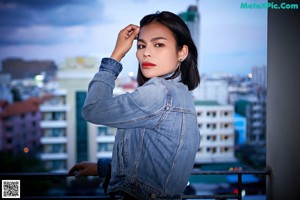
<point x="10" y="188"/>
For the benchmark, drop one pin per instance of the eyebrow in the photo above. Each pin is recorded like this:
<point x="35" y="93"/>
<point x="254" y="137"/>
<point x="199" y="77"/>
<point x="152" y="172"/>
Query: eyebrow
<point x="153" y="39"/>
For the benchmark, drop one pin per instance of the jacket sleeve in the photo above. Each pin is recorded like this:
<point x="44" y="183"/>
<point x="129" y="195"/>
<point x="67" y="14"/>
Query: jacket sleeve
<point x="104" y="167"/>
<point x="143" y="107"/>
<point x="104" y="171"/>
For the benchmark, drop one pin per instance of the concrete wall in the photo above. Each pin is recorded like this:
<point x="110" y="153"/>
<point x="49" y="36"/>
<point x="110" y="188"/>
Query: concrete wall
<point x="283" y="104"/>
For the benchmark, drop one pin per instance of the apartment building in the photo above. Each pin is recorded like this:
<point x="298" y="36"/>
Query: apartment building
<point x="55" y="135"/>
<point x="19" y="126"/>
<point x="254" y="110"/>
<point x="216" y="125"/>
<point x="73" y="76"/>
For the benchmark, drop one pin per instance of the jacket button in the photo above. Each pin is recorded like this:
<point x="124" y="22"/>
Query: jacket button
<point x="153" y="196"/>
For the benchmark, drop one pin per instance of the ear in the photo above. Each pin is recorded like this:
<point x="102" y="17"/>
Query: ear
<point x="183" y="53"/>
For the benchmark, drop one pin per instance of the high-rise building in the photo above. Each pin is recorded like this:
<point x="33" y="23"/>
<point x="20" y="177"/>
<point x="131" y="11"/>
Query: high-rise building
<point x="192" y="19"/>
<point x="55" y="135"/>
<point x="259" y="76"/>
<point x="254" y="110"/>
<point x="67" y="137"/>
<point x="240" y="125"/>
<point x="74" y="76"/>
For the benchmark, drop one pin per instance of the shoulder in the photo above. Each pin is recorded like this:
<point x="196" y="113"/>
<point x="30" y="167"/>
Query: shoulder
<point x="153" y="93"/>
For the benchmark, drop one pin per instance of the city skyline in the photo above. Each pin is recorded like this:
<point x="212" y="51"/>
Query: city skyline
<point x="232" y="40"/>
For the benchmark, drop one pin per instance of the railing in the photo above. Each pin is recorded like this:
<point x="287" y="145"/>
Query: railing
<point x="16" y="176"/>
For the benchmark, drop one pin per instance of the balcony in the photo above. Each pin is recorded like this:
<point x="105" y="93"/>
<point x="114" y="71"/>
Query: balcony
<point x="53" y="124"/>
<point x="25" y="178"/>
<point x="53" y="140"/>
<point x="54" y="156"/>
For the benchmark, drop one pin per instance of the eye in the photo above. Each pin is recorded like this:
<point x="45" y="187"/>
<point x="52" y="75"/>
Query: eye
<point x="159" y="45"/>
<point x="140" y="46"/>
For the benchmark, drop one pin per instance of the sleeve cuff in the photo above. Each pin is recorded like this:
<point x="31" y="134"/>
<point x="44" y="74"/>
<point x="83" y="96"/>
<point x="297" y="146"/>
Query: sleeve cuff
<point x="111" y="65"/>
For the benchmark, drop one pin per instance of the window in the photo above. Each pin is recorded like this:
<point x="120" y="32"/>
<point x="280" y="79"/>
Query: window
<point x="211" y="150"/>
<point x="214" y="126"/>
<point x="105" y="147"/>
<point x="252" y="138"/>
<point x="211" y="137"/>
<point x="9" y="129"/>
<point x="262" y="137"/>
<point x="58" y="164"/>
<point x="9" y="140"/>
<point x="58" y="116"/>
<point x="102" y="130"/>
<point x="224" y="137"/>
<point x="211" y="113"/>
<point x="226" y="125"/>
<point x="211" y="126"/>
<point x="57" y="132"/>
<point x="225" y="149"/>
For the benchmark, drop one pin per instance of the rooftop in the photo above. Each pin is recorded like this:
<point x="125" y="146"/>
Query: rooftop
<point x="206" y="103"/>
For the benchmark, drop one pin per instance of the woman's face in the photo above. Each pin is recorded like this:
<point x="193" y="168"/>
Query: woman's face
<point x="156" y="50"/>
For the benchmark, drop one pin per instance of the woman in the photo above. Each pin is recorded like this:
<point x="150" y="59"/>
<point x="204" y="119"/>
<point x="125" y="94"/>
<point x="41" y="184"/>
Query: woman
<point x="157" y="136"/>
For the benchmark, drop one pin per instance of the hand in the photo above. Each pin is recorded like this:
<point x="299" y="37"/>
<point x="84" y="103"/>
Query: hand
<point x="124" y="41"/>
<point x="84" y="169"/>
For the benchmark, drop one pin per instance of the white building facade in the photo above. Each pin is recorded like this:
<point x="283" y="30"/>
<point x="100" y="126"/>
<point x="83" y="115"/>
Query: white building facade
<point x="216" y="124"/>
<point x="55" y="135"/>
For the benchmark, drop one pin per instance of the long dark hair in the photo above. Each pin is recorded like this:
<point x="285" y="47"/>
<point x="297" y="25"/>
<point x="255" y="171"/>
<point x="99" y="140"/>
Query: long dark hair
<point x="189" y="70"/>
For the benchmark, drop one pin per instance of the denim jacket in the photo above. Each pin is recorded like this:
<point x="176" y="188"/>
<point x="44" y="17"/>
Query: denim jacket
<point x="157" y="134"/>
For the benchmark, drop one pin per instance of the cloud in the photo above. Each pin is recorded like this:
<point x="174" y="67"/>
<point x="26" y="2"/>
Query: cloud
<point x="231" y="39"/>
<point x="16" y="13"/>
<point x="43" y="22"/>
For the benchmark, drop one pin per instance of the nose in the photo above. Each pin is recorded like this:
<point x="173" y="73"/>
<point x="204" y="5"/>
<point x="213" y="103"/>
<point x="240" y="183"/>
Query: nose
<point x="146" y="53"/>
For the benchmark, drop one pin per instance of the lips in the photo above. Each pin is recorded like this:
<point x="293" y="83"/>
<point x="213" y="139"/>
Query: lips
<point x="147" y="65"/>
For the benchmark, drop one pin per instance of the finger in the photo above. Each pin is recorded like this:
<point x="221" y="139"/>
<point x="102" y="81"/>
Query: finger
<point x="136" y="33"/>
<point x="75" y="168"/>
<point x="72" y="170"/>
<point x="131" y="27"/>
<point x="82" y="172"/>
<point x="131" y="31"/>
<point x="78" y="174"/>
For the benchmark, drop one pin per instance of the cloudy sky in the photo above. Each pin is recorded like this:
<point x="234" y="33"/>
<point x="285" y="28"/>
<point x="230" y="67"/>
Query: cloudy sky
<point x="232" y="39"/>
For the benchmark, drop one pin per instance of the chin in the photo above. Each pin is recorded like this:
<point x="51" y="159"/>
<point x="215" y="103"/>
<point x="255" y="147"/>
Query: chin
<point x="149" y="75"/>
